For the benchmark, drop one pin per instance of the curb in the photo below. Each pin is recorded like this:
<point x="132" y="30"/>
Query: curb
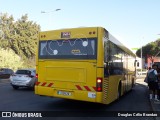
<point x="154" y="108"/>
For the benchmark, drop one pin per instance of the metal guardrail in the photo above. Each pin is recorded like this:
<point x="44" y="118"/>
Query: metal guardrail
<point x="142" y="73"/>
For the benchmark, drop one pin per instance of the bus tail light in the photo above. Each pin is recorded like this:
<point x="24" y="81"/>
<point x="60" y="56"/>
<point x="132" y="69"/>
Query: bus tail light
<point x="99" y="85"/>
<point x="37" y="76"/>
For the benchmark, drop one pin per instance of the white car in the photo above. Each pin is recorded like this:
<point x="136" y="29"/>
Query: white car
<point x="23" y="78"/>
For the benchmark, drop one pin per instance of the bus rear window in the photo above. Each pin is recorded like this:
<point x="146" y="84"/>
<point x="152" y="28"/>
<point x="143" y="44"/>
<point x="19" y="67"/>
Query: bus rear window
<point x="68" y="49"/>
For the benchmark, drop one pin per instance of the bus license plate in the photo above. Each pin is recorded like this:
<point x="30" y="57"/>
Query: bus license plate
<point x="64" y="93"/>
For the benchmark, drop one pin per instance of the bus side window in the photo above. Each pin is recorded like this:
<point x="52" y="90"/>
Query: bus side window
<point x="106" y="70"/>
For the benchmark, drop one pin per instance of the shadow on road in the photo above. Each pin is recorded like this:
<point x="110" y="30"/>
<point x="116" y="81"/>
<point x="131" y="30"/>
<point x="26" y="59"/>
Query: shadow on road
<point x="62" y="104"/>
<point x="24" y="89"/>
<point x="81" y="105"/>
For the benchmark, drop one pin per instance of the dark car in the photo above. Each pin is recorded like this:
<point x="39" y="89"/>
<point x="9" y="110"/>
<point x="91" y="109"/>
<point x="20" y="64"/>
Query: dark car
<point x="5" y="73"/>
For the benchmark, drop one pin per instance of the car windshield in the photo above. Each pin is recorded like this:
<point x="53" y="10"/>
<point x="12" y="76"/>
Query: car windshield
<point x="25" y="72"/>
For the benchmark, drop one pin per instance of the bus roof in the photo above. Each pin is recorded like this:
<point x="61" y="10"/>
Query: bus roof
<point x="110" y="37"/>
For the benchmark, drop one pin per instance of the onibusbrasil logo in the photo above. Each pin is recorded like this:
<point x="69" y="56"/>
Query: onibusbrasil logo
<point x="21" y="114"/>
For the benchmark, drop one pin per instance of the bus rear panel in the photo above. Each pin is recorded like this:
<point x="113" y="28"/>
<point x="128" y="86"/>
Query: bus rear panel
<point x="67" y="65"/>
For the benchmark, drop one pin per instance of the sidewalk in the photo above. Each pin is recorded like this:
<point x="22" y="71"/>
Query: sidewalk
<point x="155" y="105"/>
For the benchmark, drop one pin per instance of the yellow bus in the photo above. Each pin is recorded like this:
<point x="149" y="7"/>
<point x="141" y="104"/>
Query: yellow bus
<point x="86" y="64"/>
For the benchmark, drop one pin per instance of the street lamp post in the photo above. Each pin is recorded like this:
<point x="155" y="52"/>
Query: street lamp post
<point x="141" y="57"/>
<point x="158" y="45"/>
<point x="141" y="60"/>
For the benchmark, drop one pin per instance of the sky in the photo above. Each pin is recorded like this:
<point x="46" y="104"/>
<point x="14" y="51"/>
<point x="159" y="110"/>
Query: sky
<point x="133" y="22"/>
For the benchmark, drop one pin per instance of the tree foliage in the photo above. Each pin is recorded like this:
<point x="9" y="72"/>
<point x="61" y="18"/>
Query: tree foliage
<point x="9" y="59"/>
<point x="151" y="49"/>
<point x="21" y="36"/>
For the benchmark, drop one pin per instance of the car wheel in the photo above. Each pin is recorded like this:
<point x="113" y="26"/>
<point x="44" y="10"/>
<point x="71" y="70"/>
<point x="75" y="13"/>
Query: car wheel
<point x="32" y="88"/>
<point x="15" y="87"/>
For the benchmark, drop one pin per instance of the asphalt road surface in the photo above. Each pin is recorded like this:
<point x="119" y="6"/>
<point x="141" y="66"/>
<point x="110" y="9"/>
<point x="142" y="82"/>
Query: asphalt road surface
<point x="24" y="99"/>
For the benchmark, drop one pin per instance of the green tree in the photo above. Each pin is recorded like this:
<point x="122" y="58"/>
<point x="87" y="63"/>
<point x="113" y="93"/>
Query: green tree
<point x="21" y="36"/>
<point x="25" y="38"/>
<point x="6" y="29"/>
<point x="150" y="50"/>
<point x="9" y="59"/>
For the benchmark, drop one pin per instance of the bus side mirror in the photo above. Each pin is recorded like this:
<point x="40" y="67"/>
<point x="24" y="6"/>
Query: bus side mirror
<point x="135" y="63"/>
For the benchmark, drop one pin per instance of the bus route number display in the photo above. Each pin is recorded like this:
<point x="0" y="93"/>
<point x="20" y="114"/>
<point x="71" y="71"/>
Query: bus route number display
<point x="65" y="34"/>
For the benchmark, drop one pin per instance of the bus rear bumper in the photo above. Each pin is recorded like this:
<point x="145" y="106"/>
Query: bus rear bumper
<point x="90" y="96"/>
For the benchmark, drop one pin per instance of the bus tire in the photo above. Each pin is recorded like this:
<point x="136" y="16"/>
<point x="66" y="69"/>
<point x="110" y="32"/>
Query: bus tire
<point x="119" y="91"/>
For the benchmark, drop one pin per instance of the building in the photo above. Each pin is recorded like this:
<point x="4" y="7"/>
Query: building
<point x="151" y="60"/>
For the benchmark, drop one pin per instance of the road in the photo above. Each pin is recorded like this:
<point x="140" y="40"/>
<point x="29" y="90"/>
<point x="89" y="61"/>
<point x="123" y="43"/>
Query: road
<point x="24" y="99"/>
